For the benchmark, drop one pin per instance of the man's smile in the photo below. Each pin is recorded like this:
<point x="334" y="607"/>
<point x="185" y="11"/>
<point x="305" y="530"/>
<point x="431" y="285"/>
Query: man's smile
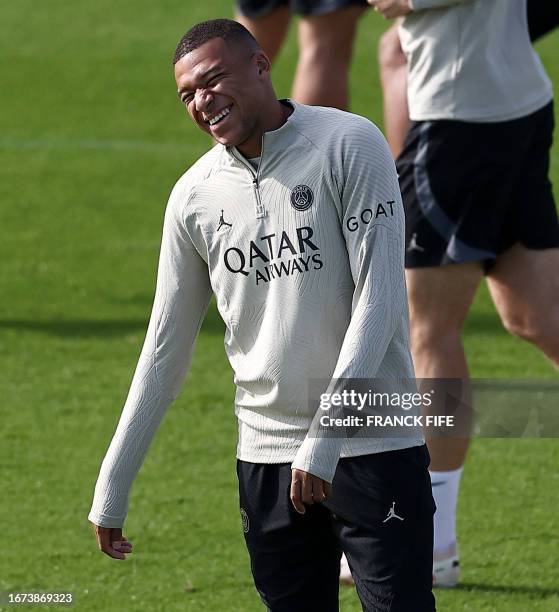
<point x="219" y="116"/>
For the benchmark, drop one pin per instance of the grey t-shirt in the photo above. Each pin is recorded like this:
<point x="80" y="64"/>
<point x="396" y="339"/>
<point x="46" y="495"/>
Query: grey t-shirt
<point x="472" y="60"/>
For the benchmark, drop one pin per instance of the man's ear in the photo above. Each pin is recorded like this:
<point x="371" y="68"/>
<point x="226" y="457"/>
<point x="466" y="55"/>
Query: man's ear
<point x="263" y="63"/>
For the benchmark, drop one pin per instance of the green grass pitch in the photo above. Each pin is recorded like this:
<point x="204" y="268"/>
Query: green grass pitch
<point x="92" y="138"/>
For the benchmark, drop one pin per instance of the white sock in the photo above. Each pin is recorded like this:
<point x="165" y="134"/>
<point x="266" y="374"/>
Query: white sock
<point x="445" y="487"/>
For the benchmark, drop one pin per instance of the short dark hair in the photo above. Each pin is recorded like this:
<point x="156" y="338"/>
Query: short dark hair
<point x="214" y="28"/>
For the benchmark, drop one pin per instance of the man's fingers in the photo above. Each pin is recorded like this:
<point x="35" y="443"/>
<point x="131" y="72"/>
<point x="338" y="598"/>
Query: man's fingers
<point x="111" y="543"/>
<point x="115" y="533"/>
<point x="307" y="489"/>
<point x="295" y="492"/>
<point x="322" y="490"/>
<point x="124" y="543"/>
<point x="318" y="494"/>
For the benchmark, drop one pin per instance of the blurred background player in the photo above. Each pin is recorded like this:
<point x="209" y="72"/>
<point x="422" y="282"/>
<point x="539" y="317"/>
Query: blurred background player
<point x="473" y="165"/>
<point x="543" y="17"/>
<point x="326" y="32"/>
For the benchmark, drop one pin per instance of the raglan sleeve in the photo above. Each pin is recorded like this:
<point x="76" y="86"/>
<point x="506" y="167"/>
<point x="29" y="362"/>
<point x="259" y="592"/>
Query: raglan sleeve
<point x="181" y="299"/>
<point x="373" y="228"/>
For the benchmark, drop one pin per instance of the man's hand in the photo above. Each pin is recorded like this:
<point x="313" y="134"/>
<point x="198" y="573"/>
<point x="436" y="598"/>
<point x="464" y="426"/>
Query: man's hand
<point x="391" y="8"/>
<point x="112" y="542"/>
<point x="308" y="489"/>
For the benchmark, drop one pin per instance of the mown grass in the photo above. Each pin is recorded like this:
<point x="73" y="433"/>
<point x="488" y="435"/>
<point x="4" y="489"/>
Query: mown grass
<point x="92" y="139"/>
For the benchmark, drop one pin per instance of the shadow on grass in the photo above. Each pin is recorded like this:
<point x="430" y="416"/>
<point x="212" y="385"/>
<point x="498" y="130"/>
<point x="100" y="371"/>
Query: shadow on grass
<point x="502" y="588"/>
<point x="104" y="328"/>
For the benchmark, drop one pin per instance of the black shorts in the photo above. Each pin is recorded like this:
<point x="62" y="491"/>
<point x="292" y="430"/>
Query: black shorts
<point x="543" y="16"/>
<point x="254" y="9"/>
<point x="380" y="515"/>
<point x="472" y="190"/>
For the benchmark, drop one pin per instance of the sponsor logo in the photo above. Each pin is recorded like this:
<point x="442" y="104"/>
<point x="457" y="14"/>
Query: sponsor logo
<point x="368" y="214"/>
<point x="275" y="255"/>
<point x="301" y="197"/>
<point x="244" y="520"/>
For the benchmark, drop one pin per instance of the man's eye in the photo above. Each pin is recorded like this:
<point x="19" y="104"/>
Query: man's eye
<point x="215" y="79"/>
<point x="187" y="99"/>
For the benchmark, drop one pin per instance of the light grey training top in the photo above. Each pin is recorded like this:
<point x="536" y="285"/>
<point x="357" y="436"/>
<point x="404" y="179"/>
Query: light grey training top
<point x="472" y="60"/>
<point x="306" y="259"/>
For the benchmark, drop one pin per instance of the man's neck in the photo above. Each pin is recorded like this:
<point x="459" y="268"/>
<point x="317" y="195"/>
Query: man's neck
<point x="276" y="119"/>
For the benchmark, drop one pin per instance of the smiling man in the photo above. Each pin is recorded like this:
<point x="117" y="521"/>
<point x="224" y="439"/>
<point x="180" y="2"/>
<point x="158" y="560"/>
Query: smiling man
<point x="294" y="221"/>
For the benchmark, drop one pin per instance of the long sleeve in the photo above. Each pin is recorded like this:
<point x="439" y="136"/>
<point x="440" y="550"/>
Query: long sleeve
<point x="423" y="5"/>
<point x="181" y="300"/>
<point x="373" y="228"/>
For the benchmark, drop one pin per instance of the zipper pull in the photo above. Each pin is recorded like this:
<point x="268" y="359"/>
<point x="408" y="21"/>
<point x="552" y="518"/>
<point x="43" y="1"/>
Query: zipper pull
<point x="260" y="210"/>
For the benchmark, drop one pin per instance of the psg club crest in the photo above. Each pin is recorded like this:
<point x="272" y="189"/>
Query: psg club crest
<point x="301" y="197"/>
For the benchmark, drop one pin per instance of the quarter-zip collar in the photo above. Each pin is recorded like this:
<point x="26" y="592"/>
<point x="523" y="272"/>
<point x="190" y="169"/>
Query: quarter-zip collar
<point x="259" y="206"/>
<point x="272" y="142"/>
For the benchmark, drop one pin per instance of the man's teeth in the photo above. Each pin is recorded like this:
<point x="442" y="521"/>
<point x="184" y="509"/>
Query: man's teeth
<point x="217" y="118"/>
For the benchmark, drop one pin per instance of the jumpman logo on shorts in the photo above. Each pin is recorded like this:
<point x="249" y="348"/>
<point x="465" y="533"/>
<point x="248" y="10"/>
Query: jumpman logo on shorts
<point x="222" y="222"/>
<point x="413" y="246"/>
<point x="392" y="514"/>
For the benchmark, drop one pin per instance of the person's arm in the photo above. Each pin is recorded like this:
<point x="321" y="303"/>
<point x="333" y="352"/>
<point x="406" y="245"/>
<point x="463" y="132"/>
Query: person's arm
<point x="376" y="255"/>
<point x="181" y="300"/>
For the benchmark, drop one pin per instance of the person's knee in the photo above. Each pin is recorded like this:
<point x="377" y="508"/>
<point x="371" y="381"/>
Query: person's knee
<point x="431" y="335"/>
<point x="538" y="328"/>
<point x="390" y="54"/>
<point x="324" y="52"/>
<point x="329" y="38"/>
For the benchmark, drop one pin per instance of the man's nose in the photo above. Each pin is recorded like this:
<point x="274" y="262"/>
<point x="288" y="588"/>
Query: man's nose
<point x="203" y="100"/>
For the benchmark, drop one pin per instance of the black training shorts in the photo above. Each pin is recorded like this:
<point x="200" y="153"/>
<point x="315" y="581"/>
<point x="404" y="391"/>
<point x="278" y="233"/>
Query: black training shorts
<point x="254" y="9"/>
<point x="472" y="190"/>
<point x="543" y="17"/>
<point x="380" y="515"/>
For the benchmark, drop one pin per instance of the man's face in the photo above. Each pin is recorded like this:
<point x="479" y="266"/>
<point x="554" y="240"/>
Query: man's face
<point x="220" y="85"/>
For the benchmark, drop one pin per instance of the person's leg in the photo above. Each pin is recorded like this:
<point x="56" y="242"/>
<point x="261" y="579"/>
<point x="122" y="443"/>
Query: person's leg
<point x="524" y="285"/>
<point x="394" y="78"/>
<point x="444" y="183"/>
<point x="325" y="49"/>
<point x="269" y="29"/>
<point x="524" y="280"/>
<point x="383" y="511"/>
<point x="439" y="300"/>
<point x="294" y="558"/>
